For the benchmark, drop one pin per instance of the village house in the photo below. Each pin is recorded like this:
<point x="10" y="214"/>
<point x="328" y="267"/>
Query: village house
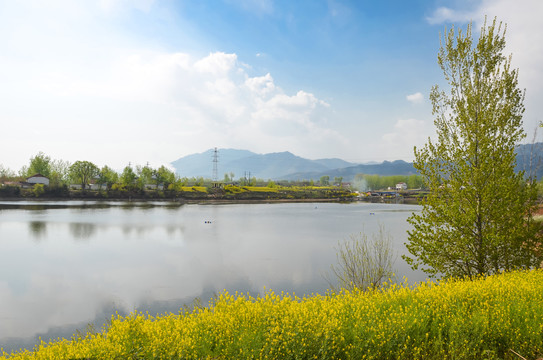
<point x="38" y="179"/>
<point x="401" y="186"/>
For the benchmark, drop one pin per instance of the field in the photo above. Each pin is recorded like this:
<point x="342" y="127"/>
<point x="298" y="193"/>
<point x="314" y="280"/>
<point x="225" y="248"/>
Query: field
<point x="487" y="318"/>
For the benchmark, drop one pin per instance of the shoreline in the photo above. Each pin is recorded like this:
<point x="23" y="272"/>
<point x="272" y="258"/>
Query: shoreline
<point x="180" y="202"/>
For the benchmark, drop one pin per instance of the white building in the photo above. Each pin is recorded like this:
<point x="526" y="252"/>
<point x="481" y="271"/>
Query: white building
<point x="38" y="179"/>
<point x="401" y="186"/>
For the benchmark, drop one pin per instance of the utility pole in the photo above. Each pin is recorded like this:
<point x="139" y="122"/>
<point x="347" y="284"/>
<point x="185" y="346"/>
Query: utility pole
<point x="247" y="177"/>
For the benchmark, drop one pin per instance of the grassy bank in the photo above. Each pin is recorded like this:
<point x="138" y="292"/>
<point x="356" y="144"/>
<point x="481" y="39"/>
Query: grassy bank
<point x="480" y="319"/>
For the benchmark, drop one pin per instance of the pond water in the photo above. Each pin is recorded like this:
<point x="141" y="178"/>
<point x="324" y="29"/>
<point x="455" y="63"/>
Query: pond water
<point x="67" y="264"/>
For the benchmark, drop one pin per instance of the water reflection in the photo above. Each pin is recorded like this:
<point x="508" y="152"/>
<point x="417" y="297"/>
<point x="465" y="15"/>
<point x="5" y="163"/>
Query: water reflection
<point x="38" y="229"/>
<point x="173" y="230"/>
<point x="82" y="231"/>
<point x="157" y="258"/>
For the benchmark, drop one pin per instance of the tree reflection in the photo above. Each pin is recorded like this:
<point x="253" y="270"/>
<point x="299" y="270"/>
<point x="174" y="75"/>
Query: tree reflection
<point x="82" y="230"/>
<point x="38" y="229"/>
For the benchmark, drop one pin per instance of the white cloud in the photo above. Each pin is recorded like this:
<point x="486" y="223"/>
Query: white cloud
<point x="261" y="85"/>
<point x="415" y="98"/>
<point x="217" y="64"/>
<point x="405" y="134"/>
<point x="115" y="6"/>
<point x="113" y="104"/>
<point x="444" y="14"/>
<point x="86" y="91"/>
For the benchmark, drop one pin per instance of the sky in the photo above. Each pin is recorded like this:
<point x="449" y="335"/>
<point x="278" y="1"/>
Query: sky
<point x="120" y="82"/>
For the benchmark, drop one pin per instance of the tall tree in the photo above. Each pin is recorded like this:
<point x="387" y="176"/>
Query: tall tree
<point x="477" y="217"/>
<point x="6" y="173"/>
<point x="128" y="177"/>
<point x="144" y="176"/>
<point x="59" y="173"/>
<point x="39" y="164"/>
<point x="107" y="176"/>
<point x="83" y="172"/>
<point x="324" y="180"/>
<point x="164" y="177"/>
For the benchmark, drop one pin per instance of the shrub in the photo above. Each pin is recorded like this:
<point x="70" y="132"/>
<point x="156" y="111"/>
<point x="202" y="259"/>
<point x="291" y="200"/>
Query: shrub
<point x="364" y="263"/>
<point x="38" y="190"/>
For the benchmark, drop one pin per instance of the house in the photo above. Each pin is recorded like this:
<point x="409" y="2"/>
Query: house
<point x="38" y="179"/>
<point x="96" y="186"/>
<point x="401" y="186"/>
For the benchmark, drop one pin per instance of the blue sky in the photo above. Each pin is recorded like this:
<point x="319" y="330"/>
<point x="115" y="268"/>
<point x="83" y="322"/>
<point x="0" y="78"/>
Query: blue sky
<point x="118" y="81"/>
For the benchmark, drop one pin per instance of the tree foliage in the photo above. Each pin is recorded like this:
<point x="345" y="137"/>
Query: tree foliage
<point x="107" y="177"/>
<point x="38" y="190"/>
<point x="164" y="177"/>
<point x="6" y="173"/>
<point x="39" y="164"/>
<point x="381" y="182"/>
<point x="477" y="217"/>
<point x="59" y="173"/>
<point x="144" y="176"/>
<point x="83" y="172"/>
<point x="128" y="177"/>
<point x="324" y="180"/>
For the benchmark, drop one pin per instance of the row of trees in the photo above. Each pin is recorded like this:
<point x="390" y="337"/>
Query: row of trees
<point x="366" y="182"/>
<point x="62" y="173"/>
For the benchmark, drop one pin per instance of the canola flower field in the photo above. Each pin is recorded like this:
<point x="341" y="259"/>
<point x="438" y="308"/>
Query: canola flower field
<point x="481" y="319"/>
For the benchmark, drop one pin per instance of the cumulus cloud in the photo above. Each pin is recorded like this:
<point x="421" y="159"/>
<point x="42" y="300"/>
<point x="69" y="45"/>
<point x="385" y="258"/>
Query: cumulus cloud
<point x="218" y="100"/>
<point x="143" y="104"/>
<point x="261" y="85"/>
<point x="415" y="98"/>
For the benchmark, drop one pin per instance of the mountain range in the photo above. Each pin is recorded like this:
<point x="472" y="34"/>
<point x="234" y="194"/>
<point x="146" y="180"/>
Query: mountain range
<point x="287" y="166"/>
<point x="280" y="166"/>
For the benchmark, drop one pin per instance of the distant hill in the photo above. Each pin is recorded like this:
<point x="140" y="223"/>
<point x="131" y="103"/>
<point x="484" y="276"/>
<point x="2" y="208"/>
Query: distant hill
<point x="530" y="159"/>
<point x="398" y="167"/>
<point x="287" y="166"/>
<point x="262" y="166"/>
<point x="196" y="165"/>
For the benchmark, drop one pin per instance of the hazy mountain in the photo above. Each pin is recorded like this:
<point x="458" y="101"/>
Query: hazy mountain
<point x="334" y="163"/>
<point x="530" y="159"/>
<point x="196" y="165"/>
<point x="262" y="166"/>
<point x="287" y="166"/>
<point x="398" y="167"/>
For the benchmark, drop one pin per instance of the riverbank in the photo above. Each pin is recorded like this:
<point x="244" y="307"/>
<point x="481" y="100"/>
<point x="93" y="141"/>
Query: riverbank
<point x="185" y="194"/>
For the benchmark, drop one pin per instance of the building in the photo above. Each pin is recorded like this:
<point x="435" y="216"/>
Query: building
<point x="38" y="179"/>
<point x="401" y="186"/>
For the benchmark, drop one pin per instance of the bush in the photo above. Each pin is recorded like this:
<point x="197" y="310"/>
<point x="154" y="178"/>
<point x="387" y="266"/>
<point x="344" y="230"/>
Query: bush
<point x="38" y="190"/>
<point x="363" y="263"/>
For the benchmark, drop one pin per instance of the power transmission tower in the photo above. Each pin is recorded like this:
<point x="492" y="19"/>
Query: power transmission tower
<point x="215" y="175"/>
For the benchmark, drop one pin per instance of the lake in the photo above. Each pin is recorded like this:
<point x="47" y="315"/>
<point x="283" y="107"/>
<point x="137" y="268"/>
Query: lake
<point x="67" y="264"/>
